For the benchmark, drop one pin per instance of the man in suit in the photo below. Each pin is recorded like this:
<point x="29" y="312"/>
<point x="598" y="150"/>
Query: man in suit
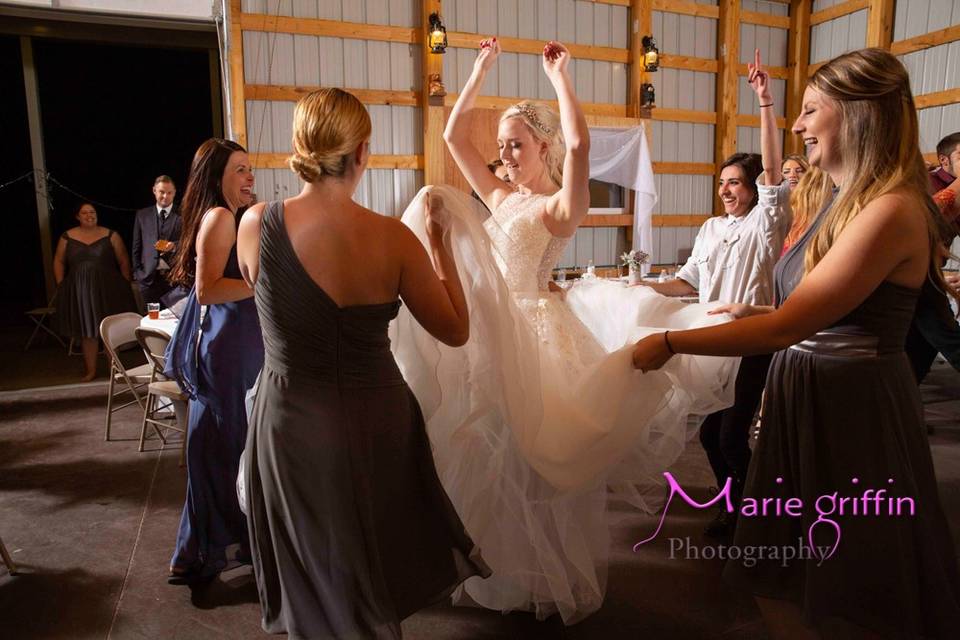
<point x="156" y="232"/>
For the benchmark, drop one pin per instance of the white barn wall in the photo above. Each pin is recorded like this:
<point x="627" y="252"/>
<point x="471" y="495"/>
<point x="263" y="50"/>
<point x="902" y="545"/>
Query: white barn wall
<point x="287" y="59"/>
<point x="933" y="69"/>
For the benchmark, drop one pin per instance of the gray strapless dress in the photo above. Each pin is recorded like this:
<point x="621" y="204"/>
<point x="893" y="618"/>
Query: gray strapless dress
<point x="842" y="415"/>
<point x="350" y="528"/>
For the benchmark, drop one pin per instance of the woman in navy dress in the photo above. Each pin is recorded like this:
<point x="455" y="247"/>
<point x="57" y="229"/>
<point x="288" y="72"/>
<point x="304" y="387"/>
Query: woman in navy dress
<point x="214" y="356"/>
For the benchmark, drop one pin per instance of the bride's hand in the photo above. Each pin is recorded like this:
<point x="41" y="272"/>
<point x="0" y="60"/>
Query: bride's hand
<point x="651" y="353"/>
<point x="489" y="50"/>
<point x="556" y="58"/>
<point x="737" y="310"/>
<point x="436" y="216"/>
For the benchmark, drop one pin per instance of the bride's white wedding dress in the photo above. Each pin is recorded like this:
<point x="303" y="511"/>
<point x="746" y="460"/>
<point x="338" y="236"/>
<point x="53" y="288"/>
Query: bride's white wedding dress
<point x="540" y="418"/>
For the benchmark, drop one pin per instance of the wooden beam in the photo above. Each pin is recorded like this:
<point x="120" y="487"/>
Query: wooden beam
<point x="782" y="73"/>
<point x="686" y="8"/>
<point x="619" y="3"/>
<point x="238" y="107"/>
<point x="685" y="168"/>
<point x="925" y="41"/>
<point x="938" y="99"/>
<point x="880" y="24"/>
<point x="279" y="161"/>
<point x="641" y="24"/>
<point x="765" y="19"/>
<point x="838" y="10"/>
<point x="746" y="120"/>
<point x="684" y="115"/>
<point x="329" y="28"/>
<point x="690" y="63"/>
<point x="615" y="122"/>
<point x="601" y="220"/>
<point x="502" y="102"/>
<point x="728" y="41"/>
<point x="679" y="220"/>
<point x="433" y="113"/>
<point x="525" y="45"/>
<point x="812" y="68"/>
<point x="798" y="55"/>
<point x="284" y="93"/>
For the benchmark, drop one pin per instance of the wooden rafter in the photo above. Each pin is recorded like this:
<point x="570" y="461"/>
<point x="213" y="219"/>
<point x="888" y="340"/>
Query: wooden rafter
<point x="502" y="102"/>
<point x="798" y="52"/>
<point x="685" y="115"/>
<point x="838" y="10"/>
<point x="279" y="161"/>
<point x="937" y="99"/>
<point x="925" y="41"/>
<point x="685" y="168"/>
<point x="728" y="39"/>
<point x="535" y="47"/>
<point x="238" y="106"/>
<point x="880" y="24"/>
<point x="330" y="28"/>
<point x="286" y="93"/>
<point x="686" y="8"/>
<point x="433" y="120"/>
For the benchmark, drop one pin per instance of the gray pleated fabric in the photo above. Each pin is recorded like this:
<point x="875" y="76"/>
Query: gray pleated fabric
<point x="350" y="528"/>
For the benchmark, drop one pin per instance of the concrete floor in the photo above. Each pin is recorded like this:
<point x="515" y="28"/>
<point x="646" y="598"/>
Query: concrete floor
<point x="92" y="526"/>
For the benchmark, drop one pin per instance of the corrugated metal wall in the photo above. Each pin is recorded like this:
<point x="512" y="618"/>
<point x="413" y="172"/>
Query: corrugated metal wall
<point x="831" y="38"/>
<point x="288" y="59"/>
<point x="772" y="43"/>
<point x="933" y="69"/>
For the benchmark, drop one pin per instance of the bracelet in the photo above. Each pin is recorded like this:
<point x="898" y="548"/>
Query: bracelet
<point x="666" y="339"/>
<point x="766" y="105"/>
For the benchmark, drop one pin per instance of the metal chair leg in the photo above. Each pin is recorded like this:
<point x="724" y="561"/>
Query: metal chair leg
<point x="7" y="560"/>
<point x="110" y="400"/>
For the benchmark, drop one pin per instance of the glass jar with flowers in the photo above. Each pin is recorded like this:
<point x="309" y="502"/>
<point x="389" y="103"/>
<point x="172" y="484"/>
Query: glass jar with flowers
<point x="634" y="261"/>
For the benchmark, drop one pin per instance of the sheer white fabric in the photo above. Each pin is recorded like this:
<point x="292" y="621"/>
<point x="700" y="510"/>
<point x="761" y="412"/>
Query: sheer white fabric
<point x="540" y="414"/>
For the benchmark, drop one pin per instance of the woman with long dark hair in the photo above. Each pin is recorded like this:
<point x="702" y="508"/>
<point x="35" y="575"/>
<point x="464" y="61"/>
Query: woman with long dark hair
<point x="214" y="356"/>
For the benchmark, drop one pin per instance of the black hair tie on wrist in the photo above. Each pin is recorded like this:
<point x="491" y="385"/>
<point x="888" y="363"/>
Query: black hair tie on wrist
<point x="666" y="339"/>
<point x="766" y="105"/>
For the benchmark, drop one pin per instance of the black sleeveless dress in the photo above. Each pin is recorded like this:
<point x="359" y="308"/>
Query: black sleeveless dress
<point x="92" y="287"/>
<point x="350" y="528"/>
<point x="842" y="419"/>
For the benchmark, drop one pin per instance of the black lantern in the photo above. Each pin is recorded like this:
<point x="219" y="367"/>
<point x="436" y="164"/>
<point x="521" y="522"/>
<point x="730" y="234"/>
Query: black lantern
<point x="648" y="97"/>
<point x="438" y="35"/>
<point x="651" y="55"/>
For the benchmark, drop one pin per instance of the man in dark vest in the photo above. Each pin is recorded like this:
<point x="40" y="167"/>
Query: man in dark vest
<point x="156" y="232"/>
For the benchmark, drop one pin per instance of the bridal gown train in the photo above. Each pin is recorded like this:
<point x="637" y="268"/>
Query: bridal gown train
<point x="540" y="418"/>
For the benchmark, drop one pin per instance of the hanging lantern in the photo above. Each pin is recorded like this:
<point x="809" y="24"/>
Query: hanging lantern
<point x="651" y="55"/>
<point x="438" y="35"/>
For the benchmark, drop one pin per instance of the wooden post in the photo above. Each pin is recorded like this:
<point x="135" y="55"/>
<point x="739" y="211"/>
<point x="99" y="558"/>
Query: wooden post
<point x="35" y="123"/>
<point x="641" y="24"/>
<point x="798" y="57"/>
<point x="432" y="113"/>
<point x="728" y="43"/>
<point x="880" y="24"/>
<point x="238" y="106"/>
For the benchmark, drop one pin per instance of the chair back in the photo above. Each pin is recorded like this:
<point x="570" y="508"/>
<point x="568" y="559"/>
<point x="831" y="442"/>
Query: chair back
<point x="117" y="333"/>
<point x="154" y="345"/>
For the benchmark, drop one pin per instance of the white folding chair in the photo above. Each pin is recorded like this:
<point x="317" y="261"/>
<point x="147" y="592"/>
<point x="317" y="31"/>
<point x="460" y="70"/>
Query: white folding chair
<point x="7" y="560"/>
<point x="117" y="333"/>
<point x="154" y="345"/>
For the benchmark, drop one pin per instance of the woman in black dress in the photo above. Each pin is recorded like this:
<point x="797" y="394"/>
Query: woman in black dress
<point x="350" y="528"/>
<point x="842" y="424"/>
<point x="93" y="275"/>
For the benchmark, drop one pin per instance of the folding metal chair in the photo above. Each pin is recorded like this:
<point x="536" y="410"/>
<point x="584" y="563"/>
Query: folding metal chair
<point x="154" y="345"/>
<point x="117" y="333"/>
<point x="39" y="318"/>
<point x="7" y="560"/>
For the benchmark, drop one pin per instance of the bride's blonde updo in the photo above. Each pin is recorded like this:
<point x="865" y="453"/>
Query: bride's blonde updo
<point x="328" y="126"/>
<point x="544" y="123"/>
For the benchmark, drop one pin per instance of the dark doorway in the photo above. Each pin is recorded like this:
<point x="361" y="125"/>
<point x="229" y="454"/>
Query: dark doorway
<point x="114" y="117"/>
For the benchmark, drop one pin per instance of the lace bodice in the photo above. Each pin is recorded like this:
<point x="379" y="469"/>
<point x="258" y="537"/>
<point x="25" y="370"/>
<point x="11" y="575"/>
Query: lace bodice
<point x="524" y="249"/>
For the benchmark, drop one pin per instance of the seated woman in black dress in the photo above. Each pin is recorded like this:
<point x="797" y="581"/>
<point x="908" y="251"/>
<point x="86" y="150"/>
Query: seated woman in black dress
<point x="93" y="275"/>
<point x="350" y="528"/>
<point x="842" y="425"/>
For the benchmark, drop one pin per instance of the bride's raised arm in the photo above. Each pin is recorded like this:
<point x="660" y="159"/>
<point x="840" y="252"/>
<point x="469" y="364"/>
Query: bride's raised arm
<point x="491" y="189"/>
<point x="568" y="206"/>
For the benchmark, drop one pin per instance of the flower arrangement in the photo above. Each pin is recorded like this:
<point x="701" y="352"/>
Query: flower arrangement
<point x="634" y="259"/>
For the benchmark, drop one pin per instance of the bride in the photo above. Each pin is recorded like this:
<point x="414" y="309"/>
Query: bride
<point x="540" y="419"/>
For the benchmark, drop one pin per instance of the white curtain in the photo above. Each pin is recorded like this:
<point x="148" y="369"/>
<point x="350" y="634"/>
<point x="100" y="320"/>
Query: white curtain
<point x="621" y="156"/>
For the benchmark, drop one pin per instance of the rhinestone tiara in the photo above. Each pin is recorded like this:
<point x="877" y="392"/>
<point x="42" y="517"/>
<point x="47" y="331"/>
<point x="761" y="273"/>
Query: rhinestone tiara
<point x="528" y="112"/>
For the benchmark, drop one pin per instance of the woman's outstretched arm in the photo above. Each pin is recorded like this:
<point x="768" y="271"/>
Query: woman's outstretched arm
<point x="457" y="133"/>
<point x="770" y="145"/>
<point x="568" y="207"/>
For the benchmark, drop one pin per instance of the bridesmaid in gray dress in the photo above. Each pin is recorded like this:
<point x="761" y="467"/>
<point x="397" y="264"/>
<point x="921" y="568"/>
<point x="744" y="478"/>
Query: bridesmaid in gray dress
<point x="350" y="528"/>
<point x="843" y="427"/>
